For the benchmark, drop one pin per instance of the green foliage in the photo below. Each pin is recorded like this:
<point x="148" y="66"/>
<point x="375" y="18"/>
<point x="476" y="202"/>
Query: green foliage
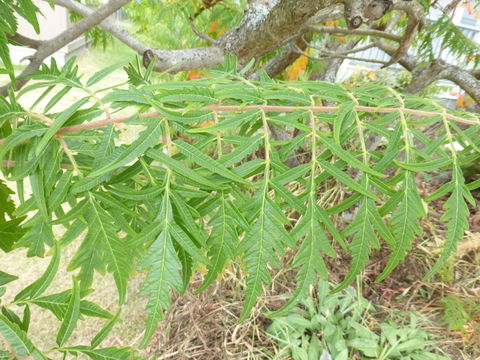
<point x="342" y="325"/>
<point x="205" y="183"/>
<point x="458" y="312"/>
<point x="165" y="24"/>
<point x="9" y="12"/>
<point x="452" y="38"/>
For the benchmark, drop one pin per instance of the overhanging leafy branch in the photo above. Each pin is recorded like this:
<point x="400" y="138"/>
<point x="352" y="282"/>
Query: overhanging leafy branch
<point x="205" y="183"/>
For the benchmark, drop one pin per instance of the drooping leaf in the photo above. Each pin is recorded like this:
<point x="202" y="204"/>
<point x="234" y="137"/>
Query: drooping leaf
<point x="163" y="266"/>
<point x="72" y="314"/>
<point x="37" y="288"/>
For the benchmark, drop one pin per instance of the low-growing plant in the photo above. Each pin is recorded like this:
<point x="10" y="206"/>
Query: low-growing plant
<point x="342" y="326"/>
<point x="206" y="182"/>
<point x="458" y="312"/>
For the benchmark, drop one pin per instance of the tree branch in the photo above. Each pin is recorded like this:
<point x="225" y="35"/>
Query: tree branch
<point x="468" y="80"/>
<point x="235" y="108"/>
<point x="416" y="21"/>
<point x="107" y="25"/>
<point x="368" y="32"/>
<point x="200" y="34"/>
<point x="339" y="56"/>
<point x="51" y="46"/>
<point x="25" y="41"/>
<point x="347" y="51"/>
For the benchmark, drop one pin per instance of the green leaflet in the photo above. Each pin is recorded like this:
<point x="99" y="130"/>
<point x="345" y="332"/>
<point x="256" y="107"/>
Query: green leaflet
<point x="99" y="75"/>
<point x="207" y="162"/>
<point x="10" y="232"/>
<point x="39" y="286"/>
<point x="222" y="241"/>
<point x="103" y="333"/>
<point x="188" y="98"/>
<point x="260" y="247"/>
<point x="309" y="257"/>
<point x="164" y="266"/>
<point x="71" y="315"/>
<point x="108" y="353"/>
<point x="115" y="250"/>
<point x="16" y="337"/>
<point x="59" y="193"/>
<point x="344" y="120"/>
<point x="5" y="278"/>
<point x="405" y="223"/>
<point x="456" y="213"/>
<point x="38" y="235"/>
<point x="58" y="123"/>
<point x="345" y="179"/>
<point x="229" y="123"/>
<point x="106" y="148"/>
<point x="427" y="166"/>
<point x="179" y="168"/>
<point x="251" y="144"/>
<point x="291" y="174"/>
<point x="128" y="193"/>
<point x="58" y="303"/>
<point x="186" y="243"/>
<point x="38" y="190"/>
<point x="55" y="99"/>
<point x="187" y="218"/>
<point x="346" y="156"/>
<point x="112" y="203"/>
<point x="146" y="139"/>
<point x="20" y="135"/>
<point x="363" y="240"/>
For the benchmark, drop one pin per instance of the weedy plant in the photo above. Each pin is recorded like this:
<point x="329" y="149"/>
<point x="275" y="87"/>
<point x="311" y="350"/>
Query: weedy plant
<point x="342" y="325"/>
<point x="206" y="182"/>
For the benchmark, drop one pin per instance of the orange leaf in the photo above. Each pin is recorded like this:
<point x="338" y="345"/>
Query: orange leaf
<point x="464" y="100"/>
<point x="194" y="74"/>
<point x="214" y="26"/>
<point x="207" y="123"/>
<point x="332" y="23"/>
<point x="297" y="68"/>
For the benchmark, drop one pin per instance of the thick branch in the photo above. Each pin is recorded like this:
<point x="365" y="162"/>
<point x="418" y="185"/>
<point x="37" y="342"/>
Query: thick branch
<point x="184" y="59"/>
<point x="267" y="25"/>
<point x="425" y="77"/>
<point x="289" y="54"/>
<point x="25" y="41"/>
<point x="463" y="78"/>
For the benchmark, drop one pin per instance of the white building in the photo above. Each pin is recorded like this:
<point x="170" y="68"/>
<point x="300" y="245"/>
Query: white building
<point x="52" y="23"/>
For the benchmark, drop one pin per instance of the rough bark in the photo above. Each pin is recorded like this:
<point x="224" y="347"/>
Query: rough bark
<point x="267" y="25"/>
